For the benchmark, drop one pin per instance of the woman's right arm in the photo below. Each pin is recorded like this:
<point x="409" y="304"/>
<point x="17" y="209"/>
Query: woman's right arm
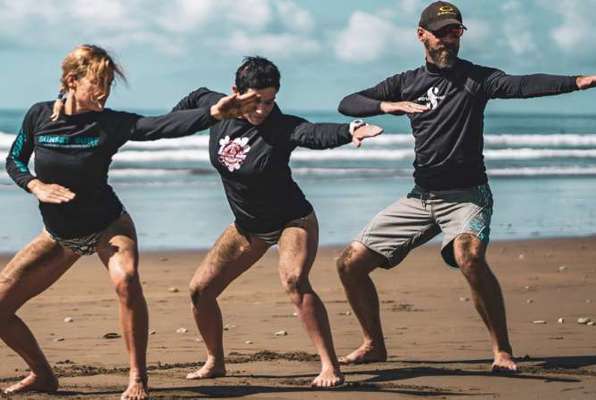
<point x="17" y="166"/>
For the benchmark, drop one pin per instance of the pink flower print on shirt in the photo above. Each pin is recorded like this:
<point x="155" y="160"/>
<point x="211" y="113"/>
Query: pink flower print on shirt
<point x="232" y="153"/>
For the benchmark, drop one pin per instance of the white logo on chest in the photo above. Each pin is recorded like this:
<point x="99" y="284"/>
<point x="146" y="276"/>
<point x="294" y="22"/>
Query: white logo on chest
<point x="431" y="99"/>
<point x="232" y="153"/>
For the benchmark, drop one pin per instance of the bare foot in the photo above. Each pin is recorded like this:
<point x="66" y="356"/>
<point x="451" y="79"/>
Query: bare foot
<point x="137" y="389"/>
<point x="504" y="362"/>
<point x="329" y="377"/>
<point x="34" y="383"/>
<point x="365" y="354"/>
<point x="211" y="369"/>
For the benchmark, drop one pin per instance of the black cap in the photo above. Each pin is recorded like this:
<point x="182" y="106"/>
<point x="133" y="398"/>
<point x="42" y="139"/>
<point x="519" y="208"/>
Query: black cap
<point x="438" y="15"/>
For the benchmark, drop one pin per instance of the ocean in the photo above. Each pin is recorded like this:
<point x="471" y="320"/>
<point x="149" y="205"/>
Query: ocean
<point x="542" y="171"/>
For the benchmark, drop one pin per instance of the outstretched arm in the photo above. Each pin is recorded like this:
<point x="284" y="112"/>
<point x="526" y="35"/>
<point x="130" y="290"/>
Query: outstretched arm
<point x="328" y="135"/>
<point x="500" y="85"/>
<point x="186" y="120"/>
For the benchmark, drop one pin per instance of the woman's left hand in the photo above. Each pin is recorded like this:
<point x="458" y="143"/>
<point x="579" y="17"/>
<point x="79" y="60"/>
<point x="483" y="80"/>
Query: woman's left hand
<point x="365" y="131"/>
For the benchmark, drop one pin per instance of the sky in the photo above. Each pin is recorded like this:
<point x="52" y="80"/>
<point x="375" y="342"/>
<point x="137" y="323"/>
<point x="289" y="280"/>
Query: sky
<point x="325" y="49"/>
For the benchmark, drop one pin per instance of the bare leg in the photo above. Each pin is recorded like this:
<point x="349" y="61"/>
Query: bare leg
<point x="230" y="256"/>
<point x="469" y="254"/>
<point x="354" y="266"/>
<point x="31" y="271"/>
<point x="297" y="251"/>
<point x="118" y="251"/>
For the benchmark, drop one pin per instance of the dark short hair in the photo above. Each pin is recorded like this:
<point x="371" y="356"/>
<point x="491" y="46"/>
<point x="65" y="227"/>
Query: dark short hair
<point x="256" y="73"/>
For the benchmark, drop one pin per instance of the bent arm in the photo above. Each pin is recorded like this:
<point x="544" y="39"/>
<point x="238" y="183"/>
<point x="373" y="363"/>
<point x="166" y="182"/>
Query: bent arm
<point x="503" y="86"/>
<point x="368" y="102"/>
<point x="18" y="157"/>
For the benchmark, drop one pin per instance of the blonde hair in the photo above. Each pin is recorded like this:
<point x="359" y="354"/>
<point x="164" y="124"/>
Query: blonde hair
<point x="91" y="61"/>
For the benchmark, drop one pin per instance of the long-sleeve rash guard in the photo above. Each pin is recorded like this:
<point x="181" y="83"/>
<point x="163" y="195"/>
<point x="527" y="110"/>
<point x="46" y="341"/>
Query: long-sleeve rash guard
<point x="253" y="162"/>
<point x="448" y="137"/>
<point x="76" y="151"/>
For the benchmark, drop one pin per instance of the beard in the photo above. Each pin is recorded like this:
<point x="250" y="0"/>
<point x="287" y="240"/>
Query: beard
<point x="443" y="56"/>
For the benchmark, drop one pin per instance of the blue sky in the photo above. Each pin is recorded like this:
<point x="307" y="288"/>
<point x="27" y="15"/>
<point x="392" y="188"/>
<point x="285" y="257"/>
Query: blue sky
<point x="324" y="48"/>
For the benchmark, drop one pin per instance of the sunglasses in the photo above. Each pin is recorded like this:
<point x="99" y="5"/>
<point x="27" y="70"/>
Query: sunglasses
<point x="454" y="30"/>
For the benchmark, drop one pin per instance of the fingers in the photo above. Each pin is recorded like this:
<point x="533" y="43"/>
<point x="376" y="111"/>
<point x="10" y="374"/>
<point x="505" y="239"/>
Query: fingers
<point x="413" y="108"/>
<point x="53" y="193"/>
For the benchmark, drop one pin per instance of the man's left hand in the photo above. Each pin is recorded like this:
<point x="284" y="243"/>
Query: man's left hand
<point x="586" y="82"/>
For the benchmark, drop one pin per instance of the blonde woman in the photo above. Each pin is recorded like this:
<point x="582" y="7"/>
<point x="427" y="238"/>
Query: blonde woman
<point x="74" y="140"/>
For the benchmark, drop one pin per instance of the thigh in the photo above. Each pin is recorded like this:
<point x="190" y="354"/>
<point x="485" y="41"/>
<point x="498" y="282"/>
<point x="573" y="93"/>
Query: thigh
<point x="399" y="228"/>
<point x="231" y="255"/>
<point x="32" y="270"/>
<point x="298" y="246"/>
<point x="117" y="247"/>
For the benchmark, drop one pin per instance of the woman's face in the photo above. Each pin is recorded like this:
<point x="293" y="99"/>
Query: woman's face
<point x="89" y="94"/>
<point x="264" y="105"/>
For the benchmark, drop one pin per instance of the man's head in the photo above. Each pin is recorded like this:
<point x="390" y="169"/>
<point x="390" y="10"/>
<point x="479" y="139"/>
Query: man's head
<point x="440" y="29"/>
<point x="257" y="74"/>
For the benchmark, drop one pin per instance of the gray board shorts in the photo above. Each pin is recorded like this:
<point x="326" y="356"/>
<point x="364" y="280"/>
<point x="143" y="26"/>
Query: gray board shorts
<point x="421" y="215"/>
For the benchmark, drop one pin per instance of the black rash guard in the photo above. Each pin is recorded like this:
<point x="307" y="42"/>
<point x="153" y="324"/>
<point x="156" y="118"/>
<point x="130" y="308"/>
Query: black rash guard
<point x="253" y="162"/>
<point x="448" y="137"/>
<point x="76" y="151"/>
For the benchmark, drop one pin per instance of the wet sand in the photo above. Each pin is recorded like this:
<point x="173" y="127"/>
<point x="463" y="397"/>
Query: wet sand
<point x="437" y="343"/>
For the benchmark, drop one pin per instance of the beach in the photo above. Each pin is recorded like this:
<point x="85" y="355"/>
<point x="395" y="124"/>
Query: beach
<point x="438" y="346"/>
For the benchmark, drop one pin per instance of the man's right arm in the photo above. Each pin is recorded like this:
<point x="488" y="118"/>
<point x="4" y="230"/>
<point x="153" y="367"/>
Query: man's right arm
<point x="384" y="98"/>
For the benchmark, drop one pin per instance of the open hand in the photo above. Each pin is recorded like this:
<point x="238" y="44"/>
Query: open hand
<point x="50" y="192"/>
<point x="365" y="131"/>
<point x="586" y="82"/>
<point x="234" y="105"/>
<point x="402" y="107"/>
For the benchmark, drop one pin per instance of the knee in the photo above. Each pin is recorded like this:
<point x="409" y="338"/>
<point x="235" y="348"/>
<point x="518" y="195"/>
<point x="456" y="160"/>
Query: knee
<point x="295" y="286"/>
<point x="472" y="264"/>
<point x="347" y="267"/>
<point x="199" y="292"/>
<point x="128" y="286"/>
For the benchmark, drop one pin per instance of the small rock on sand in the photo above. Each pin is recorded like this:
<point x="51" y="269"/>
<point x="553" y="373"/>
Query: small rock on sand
<point x="248" y="342"/>
<point x="591" y="323"/>
<point x="68" y="319"/>
<point x="281" y="333"/>
<point x="59" y="339"/>
<point x="539" y="322"/>
<point x="464" y="299"/>
<point x="562" y="268"/>
<point x="561" y="320"/>
<point x="152" y="332"/>
<point x="529" y="301"/>
<point x="228" y="327"/>
<point x="583" y="320"/>
<point x="173" y="290"/>
<point x="181" y="330"/>
<point x="111" y="335"/>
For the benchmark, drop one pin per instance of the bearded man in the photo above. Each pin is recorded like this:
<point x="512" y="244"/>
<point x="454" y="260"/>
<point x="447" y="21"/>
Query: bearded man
<point x="445" y="100"/>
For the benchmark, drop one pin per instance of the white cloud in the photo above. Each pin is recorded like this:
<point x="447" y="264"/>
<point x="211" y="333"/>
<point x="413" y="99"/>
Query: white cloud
<point x="274" y="45"/>
<point x="516" y="29"/>
<point x="172" y="27"/>
<point x="368" y="37"/>
<point x="576" y="28"/>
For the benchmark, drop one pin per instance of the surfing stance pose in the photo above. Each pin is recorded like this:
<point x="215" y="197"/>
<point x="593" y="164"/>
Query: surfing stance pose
<point x="445" y="101"/>
<point x="74" y="141"/>
<point x="252" y="154"/>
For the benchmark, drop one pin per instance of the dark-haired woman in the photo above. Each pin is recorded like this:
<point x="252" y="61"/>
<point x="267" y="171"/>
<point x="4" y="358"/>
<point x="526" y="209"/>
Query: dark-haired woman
<point x="252" y="156"/>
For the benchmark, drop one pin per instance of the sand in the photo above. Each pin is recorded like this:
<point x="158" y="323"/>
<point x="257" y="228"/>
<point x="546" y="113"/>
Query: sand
<point x="437" y="343"/>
